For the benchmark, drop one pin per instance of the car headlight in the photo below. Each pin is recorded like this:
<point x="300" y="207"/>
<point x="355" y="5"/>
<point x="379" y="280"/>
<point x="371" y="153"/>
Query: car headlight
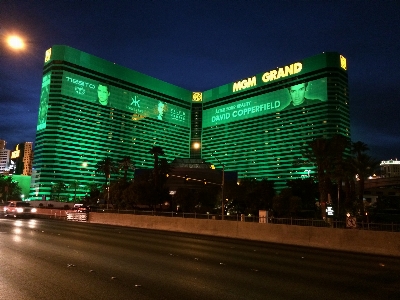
<point x="33" y="210"/>
<point x="20" y="210"/>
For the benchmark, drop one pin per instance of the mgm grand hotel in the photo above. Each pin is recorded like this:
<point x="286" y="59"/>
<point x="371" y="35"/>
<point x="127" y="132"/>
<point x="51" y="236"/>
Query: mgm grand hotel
<point x="258" y="126"/>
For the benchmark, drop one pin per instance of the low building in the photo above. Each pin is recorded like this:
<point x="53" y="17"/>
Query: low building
<point x="4" y="161"/>
<point x="390" y="168"/>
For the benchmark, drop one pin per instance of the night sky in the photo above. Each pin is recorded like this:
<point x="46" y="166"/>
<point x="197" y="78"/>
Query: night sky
<point x="200" y="45"/>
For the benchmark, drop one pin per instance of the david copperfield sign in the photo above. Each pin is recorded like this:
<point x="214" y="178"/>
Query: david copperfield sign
<point x="302" y="94"/>
<point x="243" y="109"/>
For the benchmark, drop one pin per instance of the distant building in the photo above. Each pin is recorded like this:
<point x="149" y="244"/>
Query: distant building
<point x="390" y="168"/>
<point x="3" y="144"/>
<point x="4" y="161"/>
<point x="384" y="186"/>
<point x="23" y="157"/>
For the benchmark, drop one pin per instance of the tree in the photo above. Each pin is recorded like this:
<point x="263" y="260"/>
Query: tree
<point x="58" y="188"/>
<point x="156" y="151"/>
<point x="94" y="193"/>
<point x="318" y="153"/>
<point x="358" y="148"/>
<point x="9" y="189"/>
<point x="106" y="167"/>
<point x="349" y="174"/>
<point x="327" y="154"/>
<point x="126" y="164"/>
<point x="338" y="168"/>
<point x="250" y="196"/>
<point x="129" y="199"/>
<point x="286" y="204"/>
<point x="306" y="189"/>
<point x="118" y="188"/>
<point x="164" y="169"/>
<point x="74" y="186"/>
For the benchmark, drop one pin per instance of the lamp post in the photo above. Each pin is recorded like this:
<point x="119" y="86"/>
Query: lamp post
<point x="15" y="42"/>
<point x="108" y="191"/>
<point x="11" y="44"/>
<point x="222" y="186"/>
<point x="222" y="192"/>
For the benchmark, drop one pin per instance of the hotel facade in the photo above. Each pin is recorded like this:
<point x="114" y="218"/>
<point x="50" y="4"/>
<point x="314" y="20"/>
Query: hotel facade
<point x="259" y="126"/>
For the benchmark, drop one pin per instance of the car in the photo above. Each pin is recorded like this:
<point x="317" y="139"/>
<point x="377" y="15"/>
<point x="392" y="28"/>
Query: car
<point x="78" y="213"/>
<point x="19" y="209"/>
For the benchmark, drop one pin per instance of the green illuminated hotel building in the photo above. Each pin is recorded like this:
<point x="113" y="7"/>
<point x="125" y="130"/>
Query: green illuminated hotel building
<point x="259" y="126"/>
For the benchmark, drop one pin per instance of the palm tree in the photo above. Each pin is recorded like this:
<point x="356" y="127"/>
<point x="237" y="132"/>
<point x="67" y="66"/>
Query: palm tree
<point x="106" y="167"/>
<point x="337" y="148"/>
<point x="156" y="151"/>
<point x="327" y="154"/>
<point x="318" y="153"/>
<point x="74" y="185"/>
<point x="349" y="174"/>
<point x="358" y="148"/>
<point x="126" y="164"/>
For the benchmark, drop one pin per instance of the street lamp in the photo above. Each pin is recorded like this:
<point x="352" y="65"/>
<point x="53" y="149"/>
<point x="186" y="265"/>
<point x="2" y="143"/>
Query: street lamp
<point x="222" y="186"/>
<point x="15" y="42"/>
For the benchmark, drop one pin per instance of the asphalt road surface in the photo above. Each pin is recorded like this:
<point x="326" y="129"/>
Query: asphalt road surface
<point x="54" y="259"/>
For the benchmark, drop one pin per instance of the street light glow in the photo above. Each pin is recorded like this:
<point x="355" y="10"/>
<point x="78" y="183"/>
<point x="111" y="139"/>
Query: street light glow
<point x="15" y="42"/>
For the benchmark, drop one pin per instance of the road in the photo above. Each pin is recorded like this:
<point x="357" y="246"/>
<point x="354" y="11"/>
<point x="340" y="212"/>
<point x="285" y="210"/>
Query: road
<point x="56" y="259"/>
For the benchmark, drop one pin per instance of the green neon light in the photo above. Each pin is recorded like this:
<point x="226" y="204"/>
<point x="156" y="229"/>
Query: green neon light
<point x="44" y="103"/>
<point x="310" y="93"/>
<point x="100" y="93"/>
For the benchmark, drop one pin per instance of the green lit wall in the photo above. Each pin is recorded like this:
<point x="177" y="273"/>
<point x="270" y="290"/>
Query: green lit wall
<point x="91" y="108"/>
<point x="252" y="126"/>
<point x="258" y="126"/>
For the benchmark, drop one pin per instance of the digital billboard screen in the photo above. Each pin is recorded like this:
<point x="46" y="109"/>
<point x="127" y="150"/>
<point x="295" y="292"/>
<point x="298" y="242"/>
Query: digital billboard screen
<point x="44" y="102"/>
<point x="298" y="95"/>
<point x="101" y="93"/>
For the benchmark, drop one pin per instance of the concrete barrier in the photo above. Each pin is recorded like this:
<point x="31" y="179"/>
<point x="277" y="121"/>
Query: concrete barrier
<point x="353" y="240"/>
<point x="52" y="212"/>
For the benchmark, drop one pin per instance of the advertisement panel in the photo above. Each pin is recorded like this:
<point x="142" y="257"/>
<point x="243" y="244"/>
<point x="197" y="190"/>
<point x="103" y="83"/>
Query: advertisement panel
<point x="309" y="93"/>
<point x="44" y="102"/>
<point x="101" y="93"/>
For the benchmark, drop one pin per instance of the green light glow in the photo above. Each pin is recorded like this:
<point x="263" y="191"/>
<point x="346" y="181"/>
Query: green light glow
<point x="269" y="103"/>
<point x="260" y="129"/>
<point x="44" y="102"/>
<point x="87" y="89"/>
